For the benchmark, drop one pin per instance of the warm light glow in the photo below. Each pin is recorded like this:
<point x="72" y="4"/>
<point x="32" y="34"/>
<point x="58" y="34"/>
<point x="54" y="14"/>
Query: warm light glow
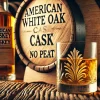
<point x="5" y="5"/>
<point x="93" y="86"/>
<point x="13" y="27"/>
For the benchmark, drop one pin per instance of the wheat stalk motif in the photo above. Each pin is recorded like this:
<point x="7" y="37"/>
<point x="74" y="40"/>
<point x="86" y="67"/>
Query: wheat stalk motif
<point x="75" y="68"/>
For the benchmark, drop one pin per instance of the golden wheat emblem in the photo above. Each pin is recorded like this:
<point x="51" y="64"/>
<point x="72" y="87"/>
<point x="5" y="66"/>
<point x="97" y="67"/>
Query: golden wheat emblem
<point x="75" y="68"/>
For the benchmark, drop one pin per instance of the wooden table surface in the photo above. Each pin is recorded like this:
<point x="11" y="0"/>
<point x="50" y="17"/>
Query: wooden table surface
<point x="18" y="90"/>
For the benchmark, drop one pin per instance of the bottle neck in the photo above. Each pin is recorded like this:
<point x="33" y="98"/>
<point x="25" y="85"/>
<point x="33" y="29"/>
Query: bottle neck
<point x="3" y="5"/>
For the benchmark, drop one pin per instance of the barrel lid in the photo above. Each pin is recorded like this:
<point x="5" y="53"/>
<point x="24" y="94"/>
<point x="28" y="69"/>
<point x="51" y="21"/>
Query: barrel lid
<point x="39" y="26"/>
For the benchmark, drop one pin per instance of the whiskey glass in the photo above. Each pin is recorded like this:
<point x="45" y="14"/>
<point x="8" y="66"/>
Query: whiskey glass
<point x="77" y="67"/>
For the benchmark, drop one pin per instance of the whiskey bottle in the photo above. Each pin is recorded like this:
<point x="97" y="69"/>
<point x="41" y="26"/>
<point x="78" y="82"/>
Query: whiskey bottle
<point x="7" y="48"/>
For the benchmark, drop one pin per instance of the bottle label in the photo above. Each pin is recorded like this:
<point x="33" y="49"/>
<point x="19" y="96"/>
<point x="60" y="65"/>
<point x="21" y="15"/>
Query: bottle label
<point x="5" y="37"/>
<point x="6" y="49"/>
<point x="6" y="56"/>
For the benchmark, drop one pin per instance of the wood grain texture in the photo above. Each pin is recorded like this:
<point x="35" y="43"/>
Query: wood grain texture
<point x="39" y="91"/>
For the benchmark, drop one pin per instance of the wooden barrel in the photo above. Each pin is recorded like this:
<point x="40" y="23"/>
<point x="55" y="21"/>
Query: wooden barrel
<point x="39" y="26"/>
